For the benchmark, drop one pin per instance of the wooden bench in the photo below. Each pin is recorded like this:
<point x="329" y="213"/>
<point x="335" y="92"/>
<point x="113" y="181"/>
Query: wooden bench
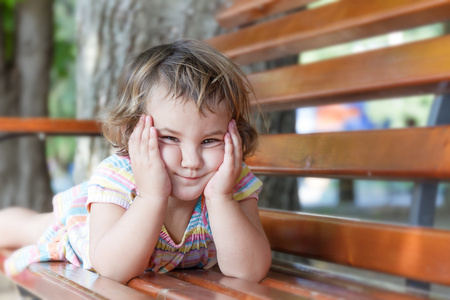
<point x="416" y="253"/>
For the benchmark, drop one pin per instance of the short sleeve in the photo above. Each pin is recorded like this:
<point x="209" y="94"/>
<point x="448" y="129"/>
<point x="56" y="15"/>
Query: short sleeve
<point x="112" y="182"/>
<point x="247" y="186"/>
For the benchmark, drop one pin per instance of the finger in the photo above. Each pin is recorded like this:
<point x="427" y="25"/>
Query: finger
<point x="137" y="130"/>
<point x="153" y="136"/>
<point x="237" y="143"/>
<point x="228" y="159"/>
<point x="145" y="136"/>
<point x="135" y="137"/>
<point x="153" y="141"/>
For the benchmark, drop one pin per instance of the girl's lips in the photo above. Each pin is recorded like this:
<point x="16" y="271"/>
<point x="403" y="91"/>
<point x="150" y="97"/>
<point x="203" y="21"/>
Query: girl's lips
<point x="189" y="178"/>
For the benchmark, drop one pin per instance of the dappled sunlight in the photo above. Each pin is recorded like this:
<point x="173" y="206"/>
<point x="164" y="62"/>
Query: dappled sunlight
<point x="317" y="192"/>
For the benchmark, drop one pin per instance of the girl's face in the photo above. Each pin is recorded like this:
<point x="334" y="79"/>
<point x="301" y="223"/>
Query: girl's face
<point x="191" y="144"/>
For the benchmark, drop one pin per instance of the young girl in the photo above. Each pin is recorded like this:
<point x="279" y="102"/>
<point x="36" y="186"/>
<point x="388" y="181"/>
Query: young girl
<point x="176" y="194"/>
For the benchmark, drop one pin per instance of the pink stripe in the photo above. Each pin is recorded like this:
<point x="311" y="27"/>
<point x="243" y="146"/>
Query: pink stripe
<point x="109" y="175"/>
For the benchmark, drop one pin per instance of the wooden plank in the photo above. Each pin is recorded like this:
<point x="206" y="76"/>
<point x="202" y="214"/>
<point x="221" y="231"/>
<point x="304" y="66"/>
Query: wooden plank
<point x="241" y="12"/>
<point x="339" y="22"/>
<point x="321" y="284"/>
<point x="412" y="68"/>
<point x="162" y="286"/>
<point x="236" y="288"/>
<point x="416" y="253"/>
<point x="411" y="153"/>
<point x="58" y="280"/>
<point x="50" y="126"/>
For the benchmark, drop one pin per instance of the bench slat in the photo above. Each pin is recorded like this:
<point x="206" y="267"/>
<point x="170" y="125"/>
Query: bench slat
<point x="241" y="12"/>
<point x="357" y="154"/>
<point x="162" y="286"/>
<point x="414" y="253"/>
<point x="236" y="288"/>
<point x="319" y="284"/>
<point x="60" y="280"/>
<point x="81" y="280"/>
<point x="49" y="125"/>
<point x="343" y="21"/>
<point x="415" y="68"/>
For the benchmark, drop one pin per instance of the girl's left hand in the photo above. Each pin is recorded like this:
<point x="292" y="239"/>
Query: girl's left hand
<point x="222" y="183"/>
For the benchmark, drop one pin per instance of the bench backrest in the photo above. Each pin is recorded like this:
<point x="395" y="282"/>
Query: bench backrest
<point x="421" y="154"/>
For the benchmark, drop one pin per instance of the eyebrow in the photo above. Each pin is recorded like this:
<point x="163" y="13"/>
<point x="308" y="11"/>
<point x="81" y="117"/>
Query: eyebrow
<point x="174" y="132"/>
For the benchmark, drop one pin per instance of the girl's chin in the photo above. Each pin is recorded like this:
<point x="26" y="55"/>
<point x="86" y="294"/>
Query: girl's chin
<point x="185" y="195"/>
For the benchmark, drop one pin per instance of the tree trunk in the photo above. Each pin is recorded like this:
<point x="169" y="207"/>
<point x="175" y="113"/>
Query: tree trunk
<point x="24" y="86"/>
<point x="111" y="32"/>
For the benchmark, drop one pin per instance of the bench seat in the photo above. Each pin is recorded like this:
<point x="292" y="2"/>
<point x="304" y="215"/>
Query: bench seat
<point x="53" y="280"/>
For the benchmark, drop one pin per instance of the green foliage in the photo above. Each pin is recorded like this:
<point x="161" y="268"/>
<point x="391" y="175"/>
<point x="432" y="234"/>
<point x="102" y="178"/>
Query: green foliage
<point x="9" y="3"/>
<point x="61" y="148"/>
<point x="62" y="99"/>
<point x="402" y="112"/>
<point x="7" y="23"/>
<point x="63" y="91"/>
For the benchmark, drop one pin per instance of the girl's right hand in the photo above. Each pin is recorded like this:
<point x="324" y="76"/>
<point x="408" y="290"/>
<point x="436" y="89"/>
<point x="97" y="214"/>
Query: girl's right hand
<point x="148" y="167"/>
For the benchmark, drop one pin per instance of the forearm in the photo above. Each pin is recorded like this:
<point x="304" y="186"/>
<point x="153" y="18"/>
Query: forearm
<point x="243" y="250"/>
<point x="123" y="251"/>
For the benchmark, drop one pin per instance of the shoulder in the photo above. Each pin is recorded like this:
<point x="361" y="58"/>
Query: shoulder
<point x="113" y="181"/>
<point x="114" y="167"/>
<point x="116" y="162"/>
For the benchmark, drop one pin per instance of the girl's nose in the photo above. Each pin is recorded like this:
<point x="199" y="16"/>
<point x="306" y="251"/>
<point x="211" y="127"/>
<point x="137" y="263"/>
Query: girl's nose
<point x="191" y="158"/>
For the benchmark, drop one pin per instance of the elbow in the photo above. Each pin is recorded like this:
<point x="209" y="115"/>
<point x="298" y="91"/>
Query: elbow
<point x="118" y="272"/>
<point x="120" y="277"/>
<point x="255" y="273"/>
<point x="260" y="272"/>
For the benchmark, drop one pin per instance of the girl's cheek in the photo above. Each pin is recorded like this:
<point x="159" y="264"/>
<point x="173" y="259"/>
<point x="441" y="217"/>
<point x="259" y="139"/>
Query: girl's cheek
<point x="214" y="157"/>
<point x="170" y="154"/>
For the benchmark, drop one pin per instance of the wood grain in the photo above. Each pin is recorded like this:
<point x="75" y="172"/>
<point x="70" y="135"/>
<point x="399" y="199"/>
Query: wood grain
<point x="407" y="69"/>
<point x="48" y="125"/>
<point x="339" y="22"/>
<point x="416" y="253"/>
<point x="412" y="153"/>
<point x="241" y="12"/>
<point x="162" y="286"/>
<point x="62" y="280"/>
<point x="233" y="287"/>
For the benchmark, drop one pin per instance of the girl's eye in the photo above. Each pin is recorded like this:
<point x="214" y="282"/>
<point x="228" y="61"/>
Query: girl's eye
<point x="209" y="141"/>
<point x="170" y="138"/>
